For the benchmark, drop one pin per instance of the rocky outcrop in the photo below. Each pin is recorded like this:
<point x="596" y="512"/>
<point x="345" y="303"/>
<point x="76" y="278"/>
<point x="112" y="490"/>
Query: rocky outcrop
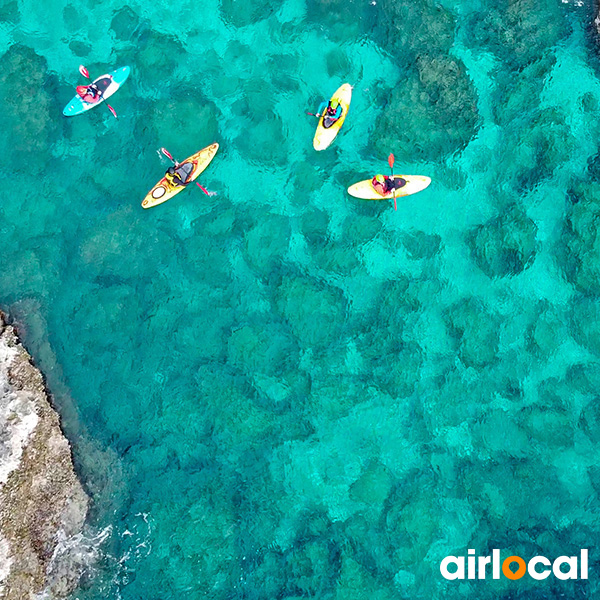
<point x="42" y="503"/>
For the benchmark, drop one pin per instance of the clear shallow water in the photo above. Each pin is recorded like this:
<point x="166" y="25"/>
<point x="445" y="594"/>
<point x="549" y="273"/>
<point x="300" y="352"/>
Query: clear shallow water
<point x="279" y="391"/>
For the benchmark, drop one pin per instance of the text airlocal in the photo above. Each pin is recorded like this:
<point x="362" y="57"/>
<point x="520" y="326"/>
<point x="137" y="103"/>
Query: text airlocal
<point x="539" y="567"/>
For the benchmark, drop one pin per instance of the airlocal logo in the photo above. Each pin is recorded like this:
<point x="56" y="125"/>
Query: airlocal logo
<point x="539" y="567"/>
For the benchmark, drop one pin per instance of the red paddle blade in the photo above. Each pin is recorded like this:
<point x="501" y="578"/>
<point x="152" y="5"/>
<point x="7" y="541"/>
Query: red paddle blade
<point x="206" y="191"/>
<point x="164" y="151"/>
<point x="391" y="161"/>
<point x="112" y="110"/>
<point x="203" y="189"/>
<point x="84" y="71"/>
<point x="395" y="204"/>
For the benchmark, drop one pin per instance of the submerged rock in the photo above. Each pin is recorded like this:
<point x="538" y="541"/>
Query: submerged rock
<point x="28" y="114"/>
<point x="257" y="143"/>
<point x="373" y="486"/>
<point x="542" y="145"/>
<point x="518" y="32"/>
<point x="9" y="12"/>
<point x="125" y="24"/>
<point x="340" y="20"/>
<point x="475" y="329"/>
<point x="432" y="109"/>
<point x="431" y="112"/>
<point x="154" y="54"/>
<point x="42" y="504"/>
<point x="549" y="422"/>
<point x="415" y="28"/>
<point x="547" y="333"/>
<point x="580" y="242"/>
<point x="262" y="349"/>
<point x="315" y="311"/>
<point x="519" y="96"/>
<point x="419" y="244"/>
<point x="505" y="245"/>
<point x="266" y="243"/>
<point x="313" y="568"/>
<point x="242" y="14"/>
<point x="314" y="225"/>
<point x="185" y="115"/>
<point x="585" y="320"/>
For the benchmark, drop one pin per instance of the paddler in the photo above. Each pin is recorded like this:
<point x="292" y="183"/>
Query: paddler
<point x="383" y="185"/>
<point x="178" y="174"/>
<point x="93" y="90"/>
<point x="90" y="94"/>
<point x="330" y="111"/>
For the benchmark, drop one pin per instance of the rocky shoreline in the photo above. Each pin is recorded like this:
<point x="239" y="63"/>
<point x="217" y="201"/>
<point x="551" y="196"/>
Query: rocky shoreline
<point x="42" y="503"/>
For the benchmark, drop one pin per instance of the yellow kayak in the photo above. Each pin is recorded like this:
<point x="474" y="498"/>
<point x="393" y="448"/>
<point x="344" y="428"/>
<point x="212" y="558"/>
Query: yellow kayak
<point x="165" y="189"/>
<point x="412" y="184"/>
<point x="325" y="135"/>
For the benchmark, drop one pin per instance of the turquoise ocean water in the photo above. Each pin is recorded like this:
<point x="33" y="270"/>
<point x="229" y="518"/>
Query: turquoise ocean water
<point x="279" y="391"/>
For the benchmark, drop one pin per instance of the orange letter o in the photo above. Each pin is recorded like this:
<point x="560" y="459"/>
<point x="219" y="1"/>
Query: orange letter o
<point x="519" y="572"/>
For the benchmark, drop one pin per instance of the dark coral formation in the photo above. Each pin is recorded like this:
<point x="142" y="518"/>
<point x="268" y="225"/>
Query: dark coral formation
<point x="28" y="115"/>
<point x="518" y="32"/>
<point x="185" y="113"/>
<point x="267" y="243"/>
<point x="245" y="13"/>
<point x="522" y="35"/>
<point x="341" y="20"/>
<point x="314" y="310"/>
<point x="430" y="113"/>
<point x="475" y="331"/>
<point x="580" y="240"/>
<point x="505" y="245"/>
<point x="432" y="110"/>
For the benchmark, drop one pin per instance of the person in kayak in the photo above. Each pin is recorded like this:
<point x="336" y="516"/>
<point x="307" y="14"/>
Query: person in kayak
<point x="93" y="90"/>
<point x="330" y="111"/>
<point x="178" y="174"/>
<point x="90" y="94"/>
<point x="384" y="185"/>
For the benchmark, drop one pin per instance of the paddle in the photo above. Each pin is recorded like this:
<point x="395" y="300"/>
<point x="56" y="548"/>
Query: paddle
<point x="168" y="155"/>
<point x="86" y="74"/>
<point x="391" y="163"/>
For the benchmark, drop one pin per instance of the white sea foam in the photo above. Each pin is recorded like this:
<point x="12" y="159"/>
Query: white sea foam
<point x="73" y="556"/>
<point x="111" y="573"/>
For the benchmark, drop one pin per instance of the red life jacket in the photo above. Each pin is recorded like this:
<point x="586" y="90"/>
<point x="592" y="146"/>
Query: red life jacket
<point x="82" y="91"/>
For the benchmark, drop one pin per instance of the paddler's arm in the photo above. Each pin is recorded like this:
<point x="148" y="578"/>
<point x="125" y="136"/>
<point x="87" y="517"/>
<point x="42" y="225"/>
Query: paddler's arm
<point x="321" y="108"/>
